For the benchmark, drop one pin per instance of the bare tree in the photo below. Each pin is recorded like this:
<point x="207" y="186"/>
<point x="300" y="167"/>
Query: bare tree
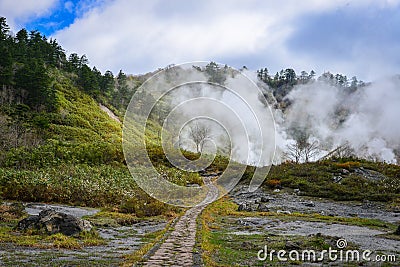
<point x="302" y="150"/>
<point x="199" y="133"/>
<point x="310" y="150"/>
<point x="293" y="152"/>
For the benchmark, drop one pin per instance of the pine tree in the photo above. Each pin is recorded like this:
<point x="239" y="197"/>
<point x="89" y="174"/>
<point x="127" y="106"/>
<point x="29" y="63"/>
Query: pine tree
<point x="4" y="29"/>
<point x="33" y="79"/>
<point x="21" y="46"/>
<point x="107" y="82"/>
<point x="6" y="61"/>
<point x="122" y="89"/>
<point x="87" y="80"/>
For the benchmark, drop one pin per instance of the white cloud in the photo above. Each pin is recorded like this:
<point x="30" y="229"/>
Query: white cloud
<point x="140" y="36"/>
<point x="19" y="12"/>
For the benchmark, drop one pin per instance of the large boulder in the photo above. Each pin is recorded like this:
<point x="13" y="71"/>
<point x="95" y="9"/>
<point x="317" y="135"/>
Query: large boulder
<point x="51" y="222"/>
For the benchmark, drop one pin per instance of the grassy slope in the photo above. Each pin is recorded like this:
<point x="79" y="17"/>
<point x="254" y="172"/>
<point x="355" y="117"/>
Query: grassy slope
<point x="80" y="160"/>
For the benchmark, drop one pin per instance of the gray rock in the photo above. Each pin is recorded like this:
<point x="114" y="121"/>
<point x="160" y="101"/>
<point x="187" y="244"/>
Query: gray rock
<point x="370" y="174"/>
<point x="366" y="204"/>
<point x="265" y="199"/>
<point x="242" y="207"/>
<point x="309" y="204"/>
<point x="245" y="207"/>
<point x="262" y="207"/>
<point x="51" y="222"/>
<point x="344" y="171"/>
<point x="296" y="191"/>
<point x="192" y="185"/>
<point x="337" y="179"/>
<point x="242" y="222"/>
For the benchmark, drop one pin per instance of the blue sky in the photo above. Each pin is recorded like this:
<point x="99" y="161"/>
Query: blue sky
<point x="61" y="16"/>
<point x="360" y="37"/>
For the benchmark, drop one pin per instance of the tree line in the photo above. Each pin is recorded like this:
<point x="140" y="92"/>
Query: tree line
<point x="26" y="62"/>
<point x="283" y="81"/>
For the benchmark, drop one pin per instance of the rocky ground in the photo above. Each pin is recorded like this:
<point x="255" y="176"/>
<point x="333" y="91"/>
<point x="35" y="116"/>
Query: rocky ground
<point x="290" y="202"/>
<point x="249" y="231"/>
<point x="120" y="241"/>
<point x="175" y="249"/>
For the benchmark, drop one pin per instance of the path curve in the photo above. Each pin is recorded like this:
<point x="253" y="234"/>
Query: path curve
<point x="177" y="248"/>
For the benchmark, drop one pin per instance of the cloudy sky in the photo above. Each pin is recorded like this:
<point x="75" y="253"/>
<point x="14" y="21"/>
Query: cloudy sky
<point x="358" y="37"/>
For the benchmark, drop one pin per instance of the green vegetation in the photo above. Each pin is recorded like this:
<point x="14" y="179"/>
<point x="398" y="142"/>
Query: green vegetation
<point x="284" y="81"/>
<point x="11" y="214"/>
<point x="227" y="208"/>
<point x="57" y="144"/>
<point x="234" y="251"/>
<point x="84" y="185"/>
<point x="111" y="219"/>
<point x="317" y="179"/>
<point x="223" y="244"/>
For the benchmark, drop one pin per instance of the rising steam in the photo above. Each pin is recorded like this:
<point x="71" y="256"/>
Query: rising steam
<point x="365" y="120"/>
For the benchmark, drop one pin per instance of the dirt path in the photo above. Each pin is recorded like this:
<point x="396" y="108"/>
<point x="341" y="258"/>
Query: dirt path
<point x="177" y="248"/>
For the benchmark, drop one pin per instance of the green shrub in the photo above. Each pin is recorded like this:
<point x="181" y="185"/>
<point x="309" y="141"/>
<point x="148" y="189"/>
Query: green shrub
<point x="316" y="179"/>
<point x="74" y="184"/>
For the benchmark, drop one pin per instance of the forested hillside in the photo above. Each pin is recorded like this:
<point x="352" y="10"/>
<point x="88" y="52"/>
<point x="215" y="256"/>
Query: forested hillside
<point x="47" y="104"/>
<point x="57" y="144"/>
